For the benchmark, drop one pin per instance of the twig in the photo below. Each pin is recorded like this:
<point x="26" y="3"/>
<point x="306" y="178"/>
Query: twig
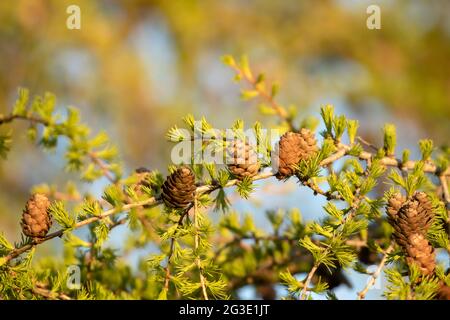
<point x="40" y="289"/>
<point x="375" y="275"/>
<point x="317" y="190"/>
<point x="64" y="196"/>
<point x="350" y="215"/>
<point x="167" y="269"/>
<point x="429" y="166"/>
<point x="367" y="143"/>
<point x="11" y="117"/>
<point x="34" y="119"/>
<point x="443" y="180"/>
<point x="311" y="273"/>
<point x="281" y="111"/>
<point x="103" y="166"/>
<point x="197" y="259"/>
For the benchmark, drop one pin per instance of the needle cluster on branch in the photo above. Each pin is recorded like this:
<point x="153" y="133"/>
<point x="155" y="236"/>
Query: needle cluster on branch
<point x="200" y="259"/>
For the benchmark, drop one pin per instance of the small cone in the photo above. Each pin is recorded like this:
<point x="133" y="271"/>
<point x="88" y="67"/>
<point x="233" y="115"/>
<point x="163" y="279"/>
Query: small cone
<point x="292" y="148"/>
<point x="178" y="189"/>
<point x="36" y="221"/>
<point x="243" y="158"/>
<point x="411" y="219"/>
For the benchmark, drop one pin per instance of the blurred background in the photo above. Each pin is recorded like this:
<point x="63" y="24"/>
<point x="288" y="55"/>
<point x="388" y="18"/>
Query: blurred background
<point x="137" y="67"/>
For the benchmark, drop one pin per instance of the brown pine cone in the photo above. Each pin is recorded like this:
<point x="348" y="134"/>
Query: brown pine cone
<point x="411" y="220"/>
<point x="292" y="148"/>
<point x="394" y="204"/>
<point x="36" y="221"/>
<point x="420" y="252"/>
<point x="178" y="189"/>
<point x="242" y="159"/>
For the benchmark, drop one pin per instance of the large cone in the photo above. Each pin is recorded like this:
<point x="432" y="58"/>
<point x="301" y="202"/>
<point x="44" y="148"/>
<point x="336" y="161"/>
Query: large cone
<point x="292" y="148"/>
<point x="243" y="158"/>
<point x="178" y="189"/>
<point x="411" y="220"/>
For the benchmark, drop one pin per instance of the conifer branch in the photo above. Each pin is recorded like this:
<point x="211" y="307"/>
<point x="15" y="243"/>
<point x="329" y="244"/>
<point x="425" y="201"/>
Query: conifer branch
<point x="241" y="72"/>
<point x="27" y="117"/>
<point x="167" y="268"/>
<point x="343" y="149"/>
<point x="18" y="251"/>
<point x="317" y="190"/>
<point x="41" y="290"/>
<point x="103" y="166"/>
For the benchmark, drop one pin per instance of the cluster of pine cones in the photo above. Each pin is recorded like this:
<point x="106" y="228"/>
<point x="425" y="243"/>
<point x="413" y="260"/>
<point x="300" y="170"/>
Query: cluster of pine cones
<point x="410" y="217"/>
<point x="179" y="188"/>
<point x="291" y="149"/>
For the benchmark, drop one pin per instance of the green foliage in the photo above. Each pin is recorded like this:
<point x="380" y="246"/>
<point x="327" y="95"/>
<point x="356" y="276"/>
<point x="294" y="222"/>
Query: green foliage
<point x="400" y="288"/>
<point x="327" y="113"/>
<point x="390" y="139"/>
<point x="426" y="148"/>
<point x="245" y="187"/>
<point x="294" y="287"/>
<point x="61" y="216"/>
<point x="5" y="142"/>
<point x="92" y="157"/>
<point x="352" y="128"/>
<point x="201" y="254"/>
<point x="20" y="107"/>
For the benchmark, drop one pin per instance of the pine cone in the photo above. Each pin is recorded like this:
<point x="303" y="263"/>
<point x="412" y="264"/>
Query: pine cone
<point x="411" y="220"/>
<point x="36" y="221"/>
<point x="178" y="189"/>
<point x="243" y="158"/>
<point x="420" y="252"/>
<point x="292" y="148"/>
